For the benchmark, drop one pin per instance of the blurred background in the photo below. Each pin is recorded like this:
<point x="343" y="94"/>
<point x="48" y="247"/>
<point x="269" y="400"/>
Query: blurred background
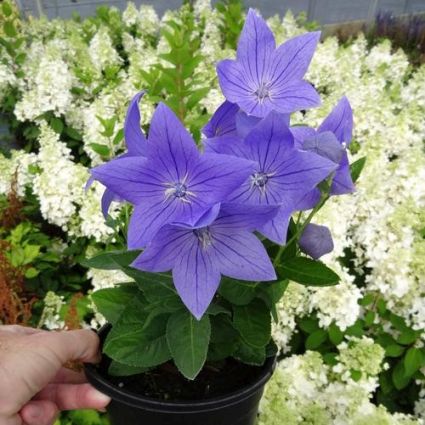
<point x="322" y="11"/>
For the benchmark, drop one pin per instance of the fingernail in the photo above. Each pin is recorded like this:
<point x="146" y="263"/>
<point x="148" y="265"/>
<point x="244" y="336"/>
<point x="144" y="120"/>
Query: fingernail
<point x="34" y="411"/>
<point x="99" y="398"/>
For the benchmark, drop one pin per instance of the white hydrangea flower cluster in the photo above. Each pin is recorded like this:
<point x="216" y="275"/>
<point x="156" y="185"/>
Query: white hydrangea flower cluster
<point x="304" y="390"/>
<point x="338" y="304"/>
<point x="109" y="104"/>
<point x="294" y="304"/>
<point x="7" y="80"/>
<point x="46" y="85"/>
<point x="145" y="19"/>
<point x="102" y="279"/>
<point x="285" y="28"/>
<point x="60" y="184"/>
<point x="50" y="317"/>
<point x="16" y="169"/>
<point x="102" y="50"/>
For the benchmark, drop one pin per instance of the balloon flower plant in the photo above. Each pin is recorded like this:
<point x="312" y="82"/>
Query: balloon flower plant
<point x="217" y="231"/>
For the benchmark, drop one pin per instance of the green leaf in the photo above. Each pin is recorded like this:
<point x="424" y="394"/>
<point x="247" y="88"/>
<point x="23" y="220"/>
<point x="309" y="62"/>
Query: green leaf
<point x="412" y="361"/>
<point x="9" y="29"/>
<point x="335" y="334"/>
<point x="394" y="350"/>
<point x="407" y="337"/>
<point x="367" y="300"/>
<point x="7" y="9"/>
<point x="308" y="325"/>
<point x="122" y="369"/>
<point x="356" y="375"/>
<point x="224" y="338"/>
<point x="196" y="96"/>
<point x="236" y="291"/>
<point x="272" y="292"/>
<point x="31" y="273"/>
<point x="330" y="359"/>
<point x="102" y="150"/>
<point x="356" y="168"/>
<point x="20" y="59"/>
<point x="111" y="302"/>
<point x="316" y="339"/>
<point x="356" y="329"/>
<point x="398" y="322"/>
<point x="108" y="125"/>
<point x="110" y="260"/>
<point x="384" y="340"/>
<point x="119" y="137"/>
<point x="31" y="252"/>
<point x="82" y="417"/>
<point x="255" y="356"/>
<point x="190" y="66"/>
<point x="188" y="341"/>
<point x="385" y="382"/>
<point x="216" y="309"/>
<point x="73" y="134"/>
<point x="253" y="323"/>
<point x="400" y="380"/>
<point x="308" y="272"/>
<point x="56" y="124"/>
<point x="137" y="338"/>
<point x="369" y="318"/>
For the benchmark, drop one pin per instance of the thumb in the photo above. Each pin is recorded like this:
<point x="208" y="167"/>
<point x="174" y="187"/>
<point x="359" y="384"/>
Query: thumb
<point x="42" y="412"/>
<point x="72" y="397"/>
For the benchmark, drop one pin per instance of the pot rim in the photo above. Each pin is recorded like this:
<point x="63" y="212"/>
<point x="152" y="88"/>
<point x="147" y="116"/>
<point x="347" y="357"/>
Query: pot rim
<point x="122" y="395"/>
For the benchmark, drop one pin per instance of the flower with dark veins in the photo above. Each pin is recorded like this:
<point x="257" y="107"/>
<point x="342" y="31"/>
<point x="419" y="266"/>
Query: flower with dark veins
<point x="174" y="182"/>
<point x="283" y="175"/>
<point x="136" y="146"/>
<point x="221" y="243"/>
<point x="264" y="78"/>
<point x="330" y="140"/>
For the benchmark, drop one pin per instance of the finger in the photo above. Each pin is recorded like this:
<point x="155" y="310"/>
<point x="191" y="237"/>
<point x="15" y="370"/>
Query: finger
<point x="41" y="412"/>
<point x="71" y="397"/>
<point x="67" y="376"/>
<point x="33" y="361"/>
<point x="13" y="420"/>
<point x="70" y="345"/>
<point x="21" y="330"/>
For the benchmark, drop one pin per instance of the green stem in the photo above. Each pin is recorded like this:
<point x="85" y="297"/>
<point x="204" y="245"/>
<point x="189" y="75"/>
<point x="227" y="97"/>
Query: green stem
<point x="300" y="230"/>
<point x="180" y="85"/>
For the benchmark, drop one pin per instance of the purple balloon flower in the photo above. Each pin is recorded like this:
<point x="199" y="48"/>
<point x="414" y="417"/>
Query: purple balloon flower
<point x="330" y="141"/>
<point x="136" y="146"/>
<point x="217" y="245"/>
<point x="316" y="241"/>
<point x="264" y="78"/>
<point x="174" y="182"/>
<point x="223" y="122"/>
<point x="230" y="121"/>
<point x="283" y="175"/>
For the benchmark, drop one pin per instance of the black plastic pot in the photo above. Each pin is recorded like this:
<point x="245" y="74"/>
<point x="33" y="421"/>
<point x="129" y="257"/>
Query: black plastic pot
<point x="126" y="408"/>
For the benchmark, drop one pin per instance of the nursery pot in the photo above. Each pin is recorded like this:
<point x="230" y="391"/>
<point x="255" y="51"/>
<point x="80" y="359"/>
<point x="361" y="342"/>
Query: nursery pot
<point x="127" y="408"/>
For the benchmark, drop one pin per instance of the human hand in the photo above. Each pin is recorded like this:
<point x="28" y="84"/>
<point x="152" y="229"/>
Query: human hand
<point x="34" y="385"/>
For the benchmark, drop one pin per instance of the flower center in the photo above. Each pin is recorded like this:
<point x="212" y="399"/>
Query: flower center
<point x="204" y="236"/>
<point x="259" y="179"/>
<point x="262" y="92"/>
<point x="179" y="190"/>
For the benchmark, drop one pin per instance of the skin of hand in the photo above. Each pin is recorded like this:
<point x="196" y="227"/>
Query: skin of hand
<point x="34" y="385"/>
